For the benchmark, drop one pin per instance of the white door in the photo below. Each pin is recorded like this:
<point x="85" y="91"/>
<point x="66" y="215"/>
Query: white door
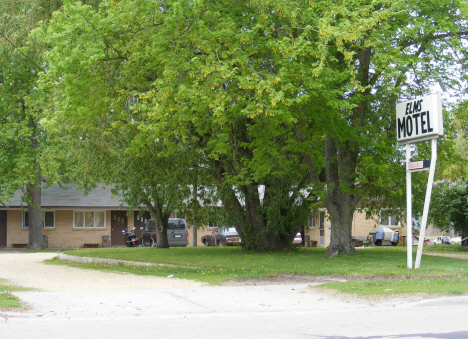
<point x="321" y="228"/>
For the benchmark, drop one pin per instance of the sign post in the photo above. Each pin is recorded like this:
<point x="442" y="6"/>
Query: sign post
<point x="409" y="211"/>
<point x="427" y="201"/>
<point x="419" y="120"/>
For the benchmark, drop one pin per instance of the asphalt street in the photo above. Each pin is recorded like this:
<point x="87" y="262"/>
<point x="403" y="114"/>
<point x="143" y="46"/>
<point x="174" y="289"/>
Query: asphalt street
<point x="269" y="311"/>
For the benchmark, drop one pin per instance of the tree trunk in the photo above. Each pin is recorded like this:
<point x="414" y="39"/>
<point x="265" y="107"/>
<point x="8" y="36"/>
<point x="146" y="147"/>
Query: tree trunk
<point x="161" y="231"/>
<point x="34" y="194"/>
<point x="161" y="218"/>
<point x="34" y="213"/>
<point x="194" y="222"/>
<point x="341" y="218"/>
<point x="250" y="223"/>
<point x="249" y="217"/>
<point x="194" y="234"/>
<point x="464" y="239"/>
<point x="341" y="200"/>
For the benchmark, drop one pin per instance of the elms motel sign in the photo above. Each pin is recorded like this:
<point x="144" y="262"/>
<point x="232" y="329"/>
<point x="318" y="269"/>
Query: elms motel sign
<point x="419" y="120"/>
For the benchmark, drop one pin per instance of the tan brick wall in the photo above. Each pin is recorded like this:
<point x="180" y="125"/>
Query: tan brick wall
<point x="63" y="236"/>
<point x="15" y="233"/>
<point x="362" y="226"/>
<point x="314" y="233"/>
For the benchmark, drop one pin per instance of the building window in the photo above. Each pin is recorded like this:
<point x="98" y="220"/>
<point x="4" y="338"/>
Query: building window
<point x="387" y="219"/>
<point x="48" y="219"/>
<point x="311" y="220"/>
<point x="89" y="219"/>
<point x="322" y="220"/>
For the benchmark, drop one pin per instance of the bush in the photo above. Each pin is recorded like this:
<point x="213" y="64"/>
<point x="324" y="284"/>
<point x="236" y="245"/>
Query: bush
<point x="449" y="206"/>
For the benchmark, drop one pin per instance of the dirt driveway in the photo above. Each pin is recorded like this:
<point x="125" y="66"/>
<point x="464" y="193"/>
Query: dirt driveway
<point x="28" y="270"/>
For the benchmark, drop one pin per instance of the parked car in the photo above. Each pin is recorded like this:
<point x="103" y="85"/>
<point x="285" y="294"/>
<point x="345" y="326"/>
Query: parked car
<point x="446" y="240"/>
<point x="177" y="233"/>
<point x="225" y="236"/>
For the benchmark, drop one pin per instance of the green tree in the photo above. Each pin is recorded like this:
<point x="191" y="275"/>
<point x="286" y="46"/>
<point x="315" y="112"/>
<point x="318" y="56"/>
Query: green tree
<point x="380" y="52"/>
<point x="453" y="165"/>
<point x="25" y="152"/>
<point x="160" y="61"/>
<point x="118" y="149"/>
<point x="266" y="90"/>
<point x="449" y="206"/>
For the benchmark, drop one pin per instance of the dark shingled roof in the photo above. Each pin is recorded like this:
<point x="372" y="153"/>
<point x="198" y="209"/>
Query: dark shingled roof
<point x="69" y="196"/>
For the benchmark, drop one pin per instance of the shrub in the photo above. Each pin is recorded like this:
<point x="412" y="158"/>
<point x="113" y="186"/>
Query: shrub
<point x="449" y="206"/>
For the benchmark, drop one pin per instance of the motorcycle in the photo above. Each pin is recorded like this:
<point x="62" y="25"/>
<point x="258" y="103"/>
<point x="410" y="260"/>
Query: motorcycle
<point x="131" y="239"/>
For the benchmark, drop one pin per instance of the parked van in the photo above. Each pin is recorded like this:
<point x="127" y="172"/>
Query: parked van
<point x="177" y="233"/>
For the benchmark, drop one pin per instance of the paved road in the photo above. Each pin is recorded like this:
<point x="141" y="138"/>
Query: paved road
<point x="271" y="311"/>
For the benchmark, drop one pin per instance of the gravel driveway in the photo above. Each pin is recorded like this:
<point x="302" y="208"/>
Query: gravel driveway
<point x="28" y="270"/>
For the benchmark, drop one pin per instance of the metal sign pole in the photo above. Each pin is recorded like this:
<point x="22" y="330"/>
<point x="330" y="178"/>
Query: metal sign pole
<point x="419" y="120"/>
<point x="427" y="202"/>
<point x="409" y="209"/>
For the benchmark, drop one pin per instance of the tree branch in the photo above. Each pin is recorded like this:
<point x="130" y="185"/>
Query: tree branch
<point x="16" y="48"/>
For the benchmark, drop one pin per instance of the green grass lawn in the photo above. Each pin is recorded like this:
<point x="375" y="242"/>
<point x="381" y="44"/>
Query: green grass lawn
<point x="456" y="249"/>
<point x="445" y="285"/>
<point x="8" y="300"/>
<point x="214" y="264"/>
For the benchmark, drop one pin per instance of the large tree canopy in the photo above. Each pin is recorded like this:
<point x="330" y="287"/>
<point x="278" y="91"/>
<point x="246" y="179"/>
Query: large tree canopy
<point x="287" y="99"/>
<point x="27" y="154"/>
<point x="148" y="65"/>
<point x="404" y="50"/>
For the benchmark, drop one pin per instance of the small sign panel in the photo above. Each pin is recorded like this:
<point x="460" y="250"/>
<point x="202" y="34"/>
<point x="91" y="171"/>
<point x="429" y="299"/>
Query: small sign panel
<point x="422" y="165"/>
<point x="419" y="119"/>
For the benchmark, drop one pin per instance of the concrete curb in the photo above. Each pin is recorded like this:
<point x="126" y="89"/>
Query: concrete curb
<point x="102" y="261"/>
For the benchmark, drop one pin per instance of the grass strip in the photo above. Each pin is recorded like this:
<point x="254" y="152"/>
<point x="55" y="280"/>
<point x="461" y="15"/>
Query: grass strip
<point x="7" y="299"/>
<point x="455" y="249"/>
<point x="437" y="285"/>
<point x="197" y="274"/>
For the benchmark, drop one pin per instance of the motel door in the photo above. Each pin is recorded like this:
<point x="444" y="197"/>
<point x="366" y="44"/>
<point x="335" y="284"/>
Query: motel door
<point x="118" y="224"/>
<point x="140" y="222"/>
<point x="3" y="228"/>
<point x="321" y="228"/>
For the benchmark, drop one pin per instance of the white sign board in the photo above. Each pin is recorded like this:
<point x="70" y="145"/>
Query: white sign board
<point x="422" y="165"/>
<point x="419" y="119"/>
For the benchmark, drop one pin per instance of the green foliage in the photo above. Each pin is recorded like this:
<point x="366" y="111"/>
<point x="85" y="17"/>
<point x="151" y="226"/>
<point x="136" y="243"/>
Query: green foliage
<point x="449" y="205"/>
<point x="263" y="92"/>
<point x="453" y="162"/>
<point x="26" y="152"/>
<point x="177" y="74"/>
<point x="23" y="138"/>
